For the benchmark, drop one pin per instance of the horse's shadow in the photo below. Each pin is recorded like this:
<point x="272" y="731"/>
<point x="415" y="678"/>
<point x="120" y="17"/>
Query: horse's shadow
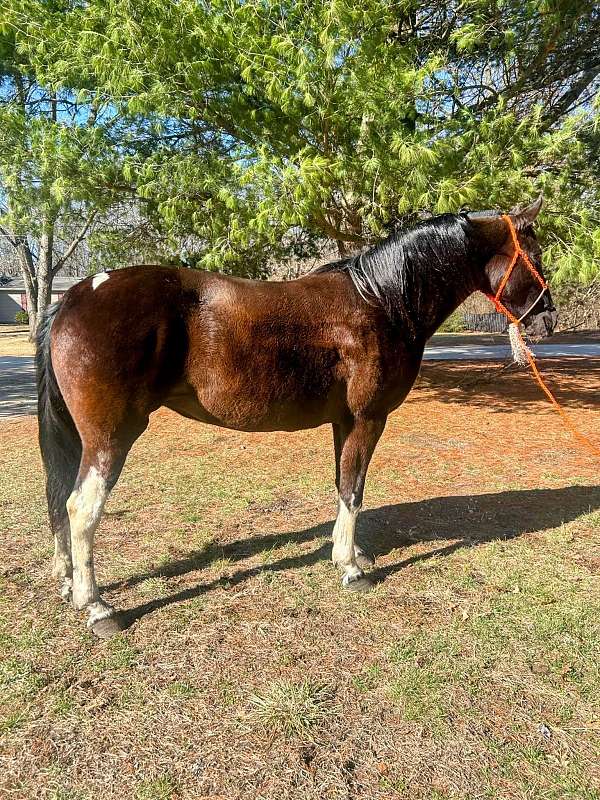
<point x="463" y="521"/>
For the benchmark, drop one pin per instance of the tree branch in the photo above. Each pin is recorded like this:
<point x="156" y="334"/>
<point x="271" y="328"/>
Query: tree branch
<point x="570" y="97"/>
<point x="22" y="249"/>
<point x="8" y="237"/>
<point x="340" y="236"/>
<point x="75" y="243"/>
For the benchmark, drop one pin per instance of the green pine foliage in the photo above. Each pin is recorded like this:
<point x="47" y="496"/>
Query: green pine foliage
<point x="243" y="127"/>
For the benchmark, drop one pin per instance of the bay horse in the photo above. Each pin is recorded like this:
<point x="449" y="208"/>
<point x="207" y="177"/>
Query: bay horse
<point x="341" y="345"/>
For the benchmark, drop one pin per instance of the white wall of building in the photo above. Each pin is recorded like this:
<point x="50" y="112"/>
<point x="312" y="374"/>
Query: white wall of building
<point x="10" y="303"/>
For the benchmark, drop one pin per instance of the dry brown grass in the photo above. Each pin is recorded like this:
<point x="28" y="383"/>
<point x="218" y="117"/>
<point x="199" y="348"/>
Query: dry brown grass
<point x="14" y="341"/>
<point x="470" y="672"/>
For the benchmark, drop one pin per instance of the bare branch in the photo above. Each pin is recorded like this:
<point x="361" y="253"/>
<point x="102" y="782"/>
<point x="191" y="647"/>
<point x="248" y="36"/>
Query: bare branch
<point x="6" y="233"/>
<point x="26" y="257"/>
<point x="570" y="97"/>
<point x="75" y="243"/>
<point x="339" y="235"/>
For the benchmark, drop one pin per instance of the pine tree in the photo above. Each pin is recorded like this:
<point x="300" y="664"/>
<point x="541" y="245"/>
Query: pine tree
<point x="56" y="171"/>
<point x="336" y="119"/>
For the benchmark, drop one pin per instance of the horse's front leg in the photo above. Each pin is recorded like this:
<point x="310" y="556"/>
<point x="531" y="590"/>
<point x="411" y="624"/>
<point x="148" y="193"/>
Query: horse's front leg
<point x="363" y="559"/>
<point x="357" y="443"/>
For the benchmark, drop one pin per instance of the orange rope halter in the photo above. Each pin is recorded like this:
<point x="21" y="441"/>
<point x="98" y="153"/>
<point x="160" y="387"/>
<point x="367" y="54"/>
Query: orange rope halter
<point x="519" y="252"/>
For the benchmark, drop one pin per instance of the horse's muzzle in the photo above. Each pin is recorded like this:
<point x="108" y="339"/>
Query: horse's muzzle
<point x="543" y="324"/>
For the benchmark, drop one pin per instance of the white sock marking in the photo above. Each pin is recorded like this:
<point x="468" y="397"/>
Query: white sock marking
<point x="343" y="537"/>
<point x="66" y="589"/>
<point x="85" y="508"/>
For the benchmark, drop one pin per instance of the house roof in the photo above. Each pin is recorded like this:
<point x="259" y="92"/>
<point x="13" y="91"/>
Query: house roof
<point x="59" y="284"/>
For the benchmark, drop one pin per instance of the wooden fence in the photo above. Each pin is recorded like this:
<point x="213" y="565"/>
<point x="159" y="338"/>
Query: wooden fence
<point x="488" y="323"/>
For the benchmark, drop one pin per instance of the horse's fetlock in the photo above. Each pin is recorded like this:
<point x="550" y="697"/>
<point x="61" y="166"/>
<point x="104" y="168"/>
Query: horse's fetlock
<point x="339" y="558"/>
<point x="61" y="568"/>
<point x="82" y="597"/>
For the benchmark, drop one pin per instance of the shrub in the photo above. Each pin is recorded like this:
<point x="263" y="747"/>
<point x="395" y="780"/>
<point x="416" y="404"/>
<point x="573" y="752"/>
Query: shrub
<point x="454" y="324"/>
<point x="22" y="317"/>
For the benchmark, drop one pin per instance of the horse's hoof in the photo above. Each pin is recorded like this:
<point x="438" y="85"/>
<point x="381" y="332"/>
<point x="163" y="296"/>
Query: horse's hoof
<point x="66" y="590"/>
<point x="361" y="584"/>
<point x="107" y="627"/>
<point x="364" y="560"/>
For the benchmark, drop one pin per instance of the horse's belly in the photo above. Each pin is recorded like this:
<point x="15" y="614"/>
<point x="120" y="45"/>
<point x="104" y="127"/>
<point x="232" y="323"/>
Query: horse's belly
<point x="248" y="411"/>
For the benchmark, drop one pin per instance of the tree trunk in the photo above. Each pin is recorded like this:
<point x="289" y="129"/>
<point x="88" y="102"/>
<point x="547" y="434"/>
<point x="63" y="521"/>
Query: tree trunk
<point x="44" y="274"/>
<point x="30" y="281"/>
<point x="32" y="299"/>
<point x="38" y="278"/>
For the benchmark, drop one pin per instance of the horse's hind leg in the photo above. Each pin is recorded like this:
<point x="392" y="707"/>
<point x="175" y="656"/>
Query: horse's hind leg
<point x="59" y="485"/>
<point x="98" y="473"/>
<point x="85" y="507"/>
<point x="62" y="565"/>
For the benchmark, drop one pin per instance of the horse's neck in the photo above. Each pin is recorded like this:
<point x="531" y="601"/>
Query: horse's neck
<point x="441" y="309"/>
<point x="438" y="295"/>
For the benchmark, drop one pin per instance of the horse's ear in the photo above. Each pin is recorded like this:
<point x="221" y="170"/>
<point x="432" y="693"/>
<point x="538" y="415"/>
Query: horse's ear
<point x="491" y="226"/>
<point x="523" y="218"/>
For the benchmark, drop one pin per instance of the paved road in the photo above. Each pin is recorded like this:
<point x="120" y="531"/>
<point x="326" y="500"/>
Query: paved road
<point x="498" y="352"/>
<point x="17" y="385"/>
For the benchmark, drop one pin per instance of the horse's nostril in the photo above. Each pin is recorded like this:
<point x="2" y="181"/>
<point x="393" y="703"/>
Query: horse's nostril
<point x="542" y="324"/>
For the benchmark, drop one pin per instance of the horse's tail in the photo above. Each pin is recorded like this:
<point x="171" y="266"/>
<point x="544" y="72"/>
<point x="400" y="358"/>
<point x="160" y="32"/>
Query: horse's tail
<point x="59" y="440"/>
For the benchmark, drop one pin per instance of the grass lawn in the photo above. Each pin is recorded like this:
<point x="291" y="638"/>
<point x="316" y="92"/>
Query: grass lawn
<point x="471" y="671"/>
<point x="14" y="341"/>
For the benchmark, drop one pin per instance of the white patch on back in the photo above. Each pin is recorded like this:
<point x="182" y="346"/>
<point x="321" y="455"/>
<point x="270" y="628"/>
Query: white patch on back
<point x="99" y="278"/>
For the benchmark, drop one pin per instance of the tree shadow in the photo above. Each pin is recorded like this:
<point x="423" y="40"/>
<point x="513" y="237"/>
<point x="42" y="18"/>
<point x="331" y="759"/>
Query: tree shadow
<point x="463" y="521"/>
<point x="574" y="381"/>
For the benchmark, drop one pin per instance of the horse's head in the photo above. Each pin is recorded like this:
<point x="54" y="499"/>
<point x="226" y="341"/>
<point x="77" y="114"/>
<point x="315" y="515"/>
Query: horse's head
<point x="523" y="294"/>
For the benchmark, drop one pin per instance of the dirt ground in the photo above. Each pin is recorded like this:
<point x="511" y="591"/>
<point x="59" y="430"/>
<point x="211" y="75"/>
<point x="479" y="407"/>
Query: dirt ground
<point x="471" y="671"/>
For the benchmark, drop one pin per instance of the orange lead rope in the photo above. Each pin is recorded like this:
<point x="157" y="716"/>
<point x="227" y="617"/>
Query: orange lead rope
<point x="515" y="322"/>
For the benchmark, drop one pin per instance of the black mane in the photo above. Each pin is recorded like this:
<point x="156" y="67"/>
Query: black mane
<point x="400" y="272"/>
